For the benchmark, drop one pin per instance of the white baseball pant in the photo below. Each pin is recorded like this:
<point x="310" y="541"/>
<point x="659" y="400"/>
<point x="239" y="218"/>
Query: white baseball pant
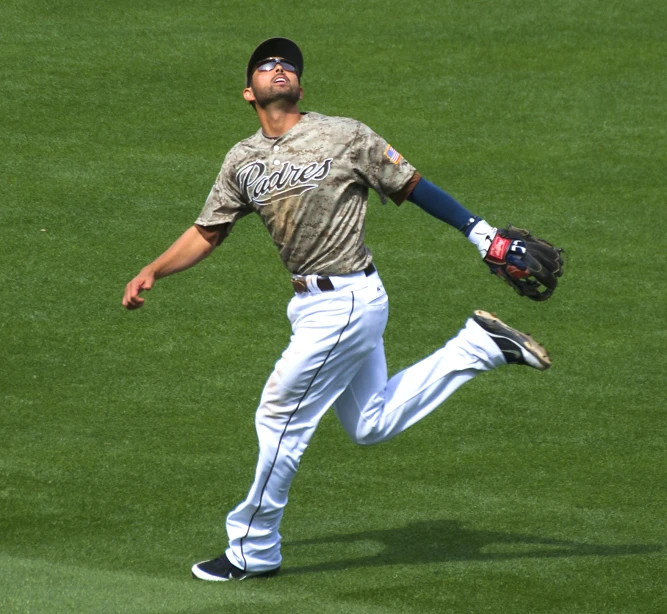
<point x="336" y="358"/>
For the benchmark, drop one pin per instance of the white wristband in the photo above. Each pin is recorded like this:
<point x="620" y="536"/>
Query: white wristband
<point x="481" y="235"/>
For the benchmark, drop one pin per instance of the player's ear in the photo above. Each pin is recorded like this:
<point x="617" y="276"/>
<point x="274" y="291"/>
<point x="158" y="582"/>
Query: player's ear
<point x="248" y="94"/>
<point x="300" y="93"/>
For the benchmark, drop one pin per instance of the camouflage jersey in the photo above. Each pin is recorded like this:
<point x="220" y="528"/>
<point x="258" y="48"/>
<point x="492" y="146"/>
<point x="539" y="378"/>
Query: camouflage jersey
<point x="310" y="187"/>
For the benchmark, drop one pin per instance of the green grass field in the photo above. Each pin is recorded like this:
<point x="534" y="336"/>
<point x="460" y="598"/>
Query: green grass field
<point x="126" y="437"/>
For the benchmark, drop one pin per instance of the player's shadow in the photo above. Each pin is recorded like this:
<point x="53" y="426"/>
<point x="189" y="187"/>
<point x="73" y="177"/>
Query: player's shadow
<point x="442" y="541"/>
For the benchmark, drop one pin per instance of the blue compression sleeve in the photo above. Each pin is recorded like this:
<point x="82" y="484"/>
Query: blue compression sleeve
<point x="439" y="204"/>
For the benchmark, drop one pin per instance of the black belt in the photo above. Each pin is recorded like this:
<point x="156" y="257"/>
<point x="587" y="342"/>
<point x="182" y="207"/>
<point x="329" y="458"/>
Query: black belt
<point x="323" y="283"/>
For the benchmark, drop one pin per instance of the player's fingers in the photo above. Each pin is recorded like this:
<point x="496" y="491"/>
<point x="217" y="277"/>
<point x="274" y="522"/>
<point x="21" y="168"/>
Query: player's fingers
<point x="134" y="303"/>
<point x="131" y="298"/>
<point x="143" y="281"/>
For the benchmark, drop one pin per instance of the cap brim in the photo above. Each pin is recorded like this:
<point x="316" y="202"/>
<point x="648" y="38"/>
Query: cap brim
<point x="275" y="48"/>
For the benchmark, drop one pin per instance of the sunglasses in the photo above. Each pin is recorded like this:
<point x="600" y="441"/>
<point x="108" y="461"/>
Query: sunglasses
<point x="270" y="63"/>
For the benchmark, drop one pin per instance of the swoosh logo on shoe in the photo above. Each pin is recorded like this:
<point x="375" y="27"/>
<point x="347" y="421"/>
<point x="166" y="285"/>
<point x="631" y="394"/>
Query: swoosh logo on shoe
<point x="513" y="352"/>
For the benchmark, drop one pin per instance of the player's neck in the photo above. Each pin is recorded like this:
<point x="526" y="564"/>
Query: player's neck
<point x="276" y="121"/>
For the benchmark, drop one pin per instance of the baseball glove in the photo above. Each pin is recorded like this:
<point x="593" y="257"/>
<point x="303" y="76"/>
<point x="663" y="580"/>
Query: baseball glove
<point x="530" y="265"/>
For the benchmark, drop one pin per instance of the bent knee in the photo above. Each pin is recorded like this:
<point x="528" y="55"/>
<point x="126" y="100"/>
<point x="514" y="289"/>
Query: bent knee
<point x="366" y="438"/>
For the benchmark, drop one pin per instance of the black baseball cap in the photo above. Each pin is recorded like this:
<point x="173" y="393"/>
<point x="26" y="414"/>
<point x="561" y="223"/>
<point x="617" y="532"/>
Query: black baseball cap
<point x="275" y="48"/>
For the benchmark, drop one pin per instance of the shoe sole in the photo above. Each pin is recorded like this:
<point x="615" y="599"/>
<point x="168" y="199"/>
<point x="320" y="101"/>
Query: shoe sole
<point x="198" y="574"/>
<point x="494" y="325"/>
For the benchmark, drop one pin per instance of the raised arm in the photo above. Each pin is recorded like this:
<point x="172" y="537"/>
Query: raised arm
<point x="195" y="244"/>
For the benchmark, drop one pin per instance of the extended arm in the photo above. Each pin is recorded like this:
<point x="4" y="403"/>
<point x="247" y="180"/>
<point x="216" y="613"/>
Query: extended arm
<point x="529" y="264"/>
<point x="439" y="204"/>
<point x="442" y="206"/>
<point x="195" y="244"/>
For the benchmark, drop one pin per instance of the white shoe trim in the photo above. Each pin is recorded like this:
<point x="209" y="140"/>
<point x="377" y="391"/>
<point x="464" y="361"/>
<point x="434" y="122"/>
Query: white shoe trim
<point x="202" y="575"/>
<point x="533" y="354"/>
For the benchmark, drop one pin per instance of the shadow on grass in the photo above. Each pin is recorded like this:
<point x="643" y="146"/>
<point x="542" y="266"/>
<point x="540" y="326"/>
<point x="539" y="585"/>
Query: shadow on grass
<point x="442" y="541"/>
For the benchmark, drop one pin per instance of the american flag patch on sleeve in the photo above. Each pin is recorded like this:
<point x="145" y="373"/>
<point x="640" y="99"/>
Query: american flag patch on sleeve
<point x="392" y="154"/>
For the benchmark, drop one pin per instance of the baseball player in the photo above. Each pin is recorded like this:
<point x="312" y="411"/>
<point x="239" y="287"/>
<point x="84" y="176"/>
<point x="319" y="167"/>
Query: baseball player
<point x="308" y="176"/>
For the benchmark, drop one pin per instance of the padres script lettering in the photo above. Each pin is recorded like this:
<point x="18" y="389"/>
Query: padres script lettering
<point x="289" y="180"/>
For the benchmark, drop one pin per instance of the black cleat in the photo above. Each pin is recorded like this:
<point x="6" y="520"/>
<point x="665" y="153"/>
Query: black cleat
<point x="518" y="348"/>
<point x="221" y="570"/>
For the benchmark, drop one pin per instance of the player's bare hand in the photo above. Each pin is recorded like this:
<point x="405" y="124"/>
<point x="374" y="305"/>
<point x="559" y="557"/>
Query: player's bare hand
<point x="143" y="281"/>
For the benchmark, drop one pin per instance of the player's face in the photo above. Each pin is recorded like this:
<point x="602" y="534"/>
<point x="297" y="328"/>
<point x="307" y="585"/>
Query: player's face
<point x="272" y="82"/>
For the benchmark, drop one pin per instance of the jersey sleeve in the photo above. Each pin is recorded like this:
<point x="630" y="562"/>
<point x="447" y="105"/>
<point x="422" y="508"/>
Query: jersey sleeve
<point x="225" y="203"/>
<point x="378" y="165"/>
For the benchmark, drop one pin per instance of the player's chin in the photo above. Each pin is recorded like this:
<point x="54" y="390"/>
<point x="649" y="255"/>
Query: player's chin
<point x="276" y="94"/>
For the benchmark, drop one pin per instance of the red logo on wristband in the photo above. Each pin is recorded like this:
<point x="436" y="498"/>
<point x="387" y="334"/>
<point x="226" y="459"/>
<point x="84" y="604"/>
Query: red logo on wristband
<point x="498" y="249"/>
